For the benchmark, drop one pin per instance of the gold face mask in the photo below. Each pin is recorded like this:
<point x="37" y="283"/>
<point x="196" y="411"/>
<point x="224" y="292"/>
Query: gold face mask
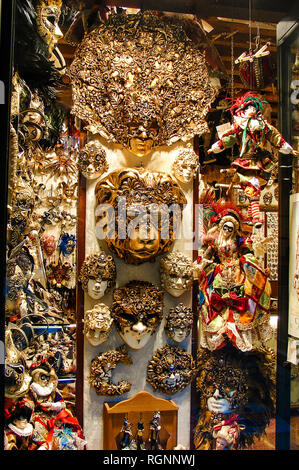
<point x="137" y="213"/>
<point x="48" y="13"/>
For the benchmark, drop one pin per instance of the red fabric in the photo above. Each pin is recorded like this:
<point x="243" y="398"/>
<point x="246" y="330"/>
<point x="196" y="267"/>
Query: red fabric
<point x="217" y="303"/>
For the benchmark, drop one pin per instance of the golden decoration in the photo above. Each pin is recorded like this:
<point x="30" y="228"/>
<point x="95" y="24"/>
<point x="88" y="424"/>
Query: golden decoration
<point x="142" y="70"/>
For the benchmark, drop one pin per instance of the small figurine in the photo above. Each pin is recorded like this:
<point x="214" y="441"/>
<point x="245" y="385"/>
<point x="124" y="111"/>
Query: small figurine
<point x="127" y="435"/>
<point x="155" y="427"/>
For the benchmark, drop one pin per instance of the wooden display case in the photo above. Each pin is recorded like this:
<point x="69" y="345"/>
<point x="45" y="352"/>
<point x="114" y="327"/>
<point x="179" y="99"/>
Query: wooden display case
<point x="142" y="405"/>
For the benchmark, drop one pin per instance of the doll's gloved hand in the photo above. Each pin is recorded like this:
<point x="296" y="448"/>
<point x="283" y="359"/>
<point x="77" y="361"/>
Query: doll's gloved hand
<point x="215" y="148"/>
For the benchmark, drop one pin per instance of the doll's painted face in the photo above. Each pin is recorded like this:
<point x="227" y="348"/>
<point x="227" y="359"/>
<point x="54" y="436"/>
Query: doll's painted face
<point x="142" y="138"/>
<point x="137" y="311"/>
<point x="228" y="229"/>
<point x="97" y="324"/>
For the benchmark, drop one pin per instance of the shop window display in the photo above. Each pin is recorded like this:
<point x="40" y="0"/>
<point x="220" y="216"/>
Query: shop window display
<point x="102" y="198"/>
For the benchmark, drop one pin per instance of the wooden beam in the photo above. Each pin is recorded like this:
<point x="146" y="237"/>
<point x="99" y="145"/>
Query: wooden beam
<point x="204" y="9"/>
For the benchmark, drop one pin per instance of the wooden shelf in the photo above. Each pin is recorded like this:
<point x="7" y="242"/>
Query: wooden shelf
<point x="142" y="405"/>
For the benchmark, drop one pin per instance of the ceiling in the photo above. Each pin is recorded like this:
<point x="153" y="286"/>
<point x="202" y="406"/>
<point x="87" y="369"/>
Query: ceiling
<point x="231" y="31"/>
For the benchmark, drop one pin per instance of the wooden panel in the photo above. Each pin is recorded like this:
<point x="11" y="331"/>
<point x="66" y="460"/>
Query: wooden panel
<point x="140" y="406"/>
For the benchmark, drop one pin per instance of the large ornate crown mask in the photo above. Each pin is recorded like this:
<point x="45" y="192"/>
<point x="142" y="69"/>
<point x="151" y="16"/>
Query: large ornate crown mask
<point x="138" y="212"/>
<point x="141" y="70"/>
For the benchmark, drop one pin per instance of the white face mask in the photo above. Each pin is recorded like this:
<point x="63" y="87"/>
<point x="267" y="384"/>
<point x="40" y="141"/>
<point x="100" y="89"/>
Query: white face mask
<point x="179" y="334"/>
<point x="176" y="285"/>
<point x="217" y="404"/>
<point x="136" y="336"/>
<point x="96" y="288"/>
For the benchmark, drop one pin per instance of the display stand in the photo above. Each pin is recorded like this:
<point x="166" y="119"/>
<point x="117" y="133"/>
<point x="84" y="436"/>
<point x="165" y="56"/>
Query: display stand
<point x="143" y="404"/>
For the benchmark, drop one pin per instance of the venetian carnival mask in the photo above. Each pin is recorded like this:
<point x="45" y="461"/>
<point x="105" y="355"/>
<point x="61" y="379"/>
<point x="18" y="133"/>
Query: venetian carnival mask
<point x="176" y="273"/>
<point x="179" y="322"/>
<point x="101" y="372"/>
<point x="139" y="80"/>
<point x="92" y="161"/>
<point x="59" y="274"/>
<point x="97" y="324"/>
<point x="32" y="120"/>
<point x="171" y="370"/>
<point x="48" y="13"/>
<point x="233" y="385"/>
<point x="49" y="244"/>
<point x="141" y="138"/>
<point x="137" y="213"/>
<point x="186" y="165"/>
<point x="98" y="274"/>
<point x="137" y="309"/>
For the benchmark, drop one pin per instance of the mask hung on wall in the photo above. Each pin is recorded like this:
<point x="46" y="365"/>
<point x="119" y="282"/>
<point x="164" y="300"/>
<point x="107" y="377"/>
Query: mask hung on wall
<point x="138" y="213"/>
<point x="237" y="397"/>
<point x="171" y="370"/>
<point x="137" y="309"/>
<point x="97" y="275"/>
<point x="176" y="273"/>
<point x="48" y="13"/>
<point x="48" y="243"/>
<point x="185" y="165"/>
<point x="32" y="121"/>
<point x="97" y="324"/>
<point x="92" y="161"/>
<point x="139" y="80"/>
<point x="179" y="322"/>
<point x="101" y="376"/>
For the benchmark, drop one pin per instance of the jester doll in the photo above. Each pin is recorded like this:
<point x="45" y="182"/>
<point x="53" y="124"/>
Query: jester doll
<point x="234" y="291"/>
<point x="256" y="139"/>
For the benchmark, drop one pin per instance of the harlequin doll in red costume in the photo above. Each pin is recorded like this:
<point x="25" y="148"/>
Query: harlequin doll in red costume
<point x="234" y="292"/>
<point x="255" y="137"/>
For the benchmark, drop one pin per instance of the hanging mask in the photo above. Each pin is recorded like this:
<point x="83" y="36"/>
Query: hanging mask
<point x="176" y="273"/>
<point x="97" y="324"/>
<point x="92" y="161"/>
<point x="101" y="372"/>
<point x="67" y="244"/>
<point x="185" y="165"/>
<point x="49" y="244"/>
<point x="179" y="323"/>
<point x="48" y="13"/>
<point x="137" y="309"/>
<point x="138" y="212"/>
<point x="97" y="275"/>
<point x="171" y="370"/>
